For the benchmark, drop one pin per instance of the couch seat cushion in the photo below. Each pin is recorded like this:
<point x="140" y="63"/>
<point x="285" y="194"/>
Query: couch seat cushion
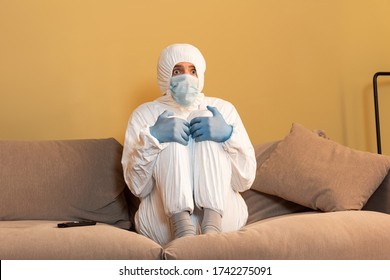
<point x="304" y="236"/>
<point x="42" y="240"/>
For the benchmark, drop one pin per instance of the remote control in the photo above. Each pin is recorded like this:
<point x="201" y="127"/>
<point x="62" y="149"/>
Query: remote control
<point x="76" y="224"/>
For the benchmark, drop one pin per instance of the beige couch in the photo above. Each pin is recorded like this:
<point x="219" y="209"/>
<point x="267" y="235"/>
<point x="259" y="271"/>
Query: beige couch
<point x="43" y="183"/>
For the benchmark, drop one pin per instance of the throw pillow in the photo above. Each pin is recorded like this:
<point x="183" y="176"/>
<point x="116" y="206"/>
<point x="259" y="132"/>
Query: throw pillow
<point x="321" y="174"/>
<point x="261" y="205"/>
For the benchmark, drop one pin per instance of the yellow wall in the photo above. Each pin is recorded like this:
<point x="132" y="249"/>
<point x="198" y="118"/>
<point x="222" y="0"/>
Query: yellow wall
<point x="77" y="68"/>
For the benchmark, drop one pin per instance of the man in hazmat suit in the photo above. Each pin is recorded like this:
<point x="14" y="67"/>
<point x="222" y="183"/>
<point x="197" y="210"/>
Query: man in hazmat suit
<point x="187" y="156"/>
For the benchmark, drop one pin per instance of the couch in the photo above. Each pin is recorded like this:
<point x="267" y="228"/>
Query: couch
<point x="43" y="183"/>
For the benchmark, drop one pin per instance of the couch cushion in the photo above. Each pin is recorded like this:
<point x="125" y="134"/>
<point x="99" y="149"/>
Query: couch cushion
<point x="261" y="205"/>
<point x="320" y="173"/>
<point x="304" y="236"/>
<point x="44" y="241"/>
<point x="63" y="180"/>
<point x="380" y="200"/>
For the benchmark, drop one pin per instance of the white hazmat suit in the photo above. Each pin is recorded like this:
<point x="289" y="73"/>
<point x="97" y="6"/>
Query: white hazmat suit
<point x="171" y="177"/>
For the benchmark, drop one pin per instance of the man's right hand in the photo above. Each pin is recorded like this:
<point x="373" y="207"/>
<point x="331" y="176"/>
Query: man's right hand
<point x="170" y="129"/>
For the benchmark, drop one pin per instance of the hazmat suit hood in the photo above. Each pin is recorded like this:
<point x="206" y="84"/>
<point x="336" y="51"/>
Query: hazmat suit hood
<point x="175" y="54"/>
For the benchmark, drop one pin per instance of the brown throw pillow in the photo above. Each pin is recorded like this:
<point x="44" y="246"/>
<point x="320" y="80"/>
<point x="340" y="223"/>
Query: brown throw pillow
<point x="321" y="174"/>
<point x="261" y="205"/>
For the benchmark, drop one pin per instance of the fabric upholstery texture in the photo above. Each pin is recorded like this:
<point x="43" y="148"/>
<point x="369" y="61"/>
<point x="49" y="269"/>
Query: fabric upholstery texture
<point x="43" y="183"/>
<point x="319" y="173"/>
<point x="261" y="205"/>
<point x="309" y="236"/>
<point x="63" y="180"/>
<point x="380" y="200"/>
<point x="43" y="240"/>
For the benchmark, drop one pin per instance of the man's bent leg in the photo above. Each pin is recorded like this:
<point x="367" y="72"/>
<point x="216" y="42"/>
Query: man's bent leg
<point x="212" y="173"/>
<point x="174" y="182"/>
<point x="151" y="221"/>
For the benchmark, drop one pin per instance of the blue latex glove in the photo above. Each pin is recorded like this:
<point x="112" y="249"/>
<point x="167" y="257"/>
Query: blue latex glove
<point x="167" y="129"/>
<point x="210" y="128"/>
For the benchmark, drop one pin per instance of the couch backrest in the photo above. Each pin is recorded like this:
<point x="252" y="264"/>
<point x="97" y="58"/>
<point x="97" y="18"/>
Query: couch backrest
<point x="63" y="180"/>
<point x="380" y="199"/>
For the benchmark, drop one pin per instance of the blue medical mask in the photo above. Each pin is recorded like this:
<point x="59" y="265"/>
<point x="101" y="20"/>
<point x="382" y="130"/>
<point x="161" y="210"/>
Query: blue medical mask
<point x="184" y="89"/>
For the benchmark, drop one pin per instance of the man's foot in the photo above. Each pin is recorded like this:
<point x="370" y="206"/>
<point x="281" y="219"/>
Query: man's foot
<point x="182" y="224"/>
<point x="211" y="222"/>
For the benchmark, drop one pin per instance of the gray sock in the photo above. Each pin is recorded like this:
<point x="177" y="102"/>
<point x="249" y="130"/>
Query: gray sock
<point x="182" y="224"/>
<point x="211" y="222"/>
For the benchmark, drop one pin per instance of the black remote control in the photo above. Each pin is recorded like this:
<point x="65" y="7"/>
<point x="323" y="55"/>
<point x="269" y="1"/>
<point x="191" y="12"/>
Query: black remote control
<point x="76" y="224"/>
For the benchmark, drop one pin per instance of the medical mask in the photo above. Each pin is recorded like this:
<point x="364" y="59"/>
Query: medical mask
<point x="184" y="89"/>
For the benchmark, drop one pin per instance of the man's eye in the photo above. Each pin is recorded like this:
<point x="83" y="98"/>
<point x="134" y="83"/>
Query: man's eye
<point x="176" y="72"/>
<point x="193" y="72"/>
